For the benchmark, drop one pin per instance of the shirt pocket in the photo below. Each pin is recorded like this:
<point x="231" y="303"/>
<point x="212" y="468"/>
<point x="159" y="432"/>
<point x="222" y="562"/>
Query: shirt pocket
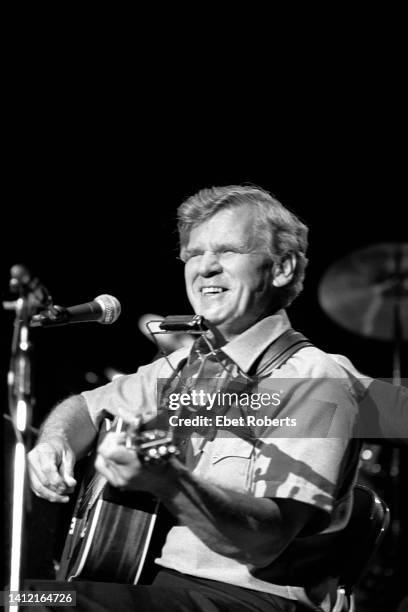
<point x="228" y="463"/>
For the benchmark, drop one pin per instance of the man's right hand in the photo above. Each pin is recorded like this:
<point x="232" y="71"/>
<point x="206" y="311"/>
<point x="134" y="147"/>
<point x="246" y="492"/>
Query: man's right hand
<point x="51" y="468"/>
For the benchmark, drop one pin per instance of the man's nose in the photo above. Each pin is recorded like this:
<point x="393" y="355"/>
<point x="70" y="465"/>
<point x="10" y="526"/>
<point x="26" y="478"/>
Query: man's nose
<point x="209" y="264"/>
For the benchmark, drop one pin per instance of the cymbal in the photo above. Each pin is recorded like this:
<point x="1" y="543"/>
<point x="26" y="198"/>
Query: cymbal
<point x="364" y="291"/>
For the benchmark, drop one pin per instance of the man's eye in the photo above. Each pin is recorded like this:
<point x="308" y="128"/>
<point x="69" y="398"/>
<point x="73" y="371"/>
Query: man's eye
<point x="191" y="255"/>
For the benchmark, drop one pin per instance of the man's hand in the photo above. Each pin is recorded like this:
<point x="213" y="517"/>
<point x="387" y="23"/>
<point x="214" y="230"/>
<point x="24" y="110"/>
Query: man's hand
<point x="50" y="466"/>
<point x="122" y="467"/>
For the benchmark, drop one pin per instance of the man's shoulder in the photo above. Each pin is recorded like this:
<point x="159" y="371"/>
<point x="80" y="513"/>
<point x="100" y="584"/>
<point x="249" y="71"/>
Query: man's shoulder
<point x="313" y="362"/>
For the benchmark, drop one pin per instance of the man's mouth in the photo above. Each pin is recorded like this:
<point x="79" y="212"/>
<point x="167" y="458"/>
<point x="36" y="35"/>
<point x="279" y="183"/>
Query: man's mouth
<point x="212" y="290"/>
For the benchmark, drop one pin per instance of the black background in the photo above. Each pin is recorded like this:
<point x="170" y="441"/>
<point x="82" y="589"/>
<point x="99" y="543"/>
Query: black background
<point x="88" y="214"/>
<point x="98" y="155"/>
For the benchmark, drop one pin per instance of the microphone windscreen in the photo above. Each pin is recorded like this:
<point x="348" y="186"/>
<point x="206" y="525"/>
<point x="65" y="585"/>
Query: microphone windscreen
<point x="110" y="306"/>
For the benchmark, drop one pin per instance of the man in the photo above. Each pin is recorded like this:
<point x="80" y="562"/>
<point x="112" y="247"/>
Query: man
<point x="240" y="495"/>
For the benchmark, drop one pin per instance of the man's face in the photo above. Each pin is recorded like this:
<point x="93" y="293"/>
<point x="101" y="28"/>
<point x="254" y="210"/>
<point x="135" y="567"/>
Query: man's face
<point x="228" y="272"/>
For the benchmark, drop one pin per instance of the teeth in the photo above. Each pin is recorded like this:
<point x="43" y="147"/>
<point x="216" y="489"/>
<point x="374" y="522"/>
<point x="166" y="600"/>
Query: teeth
<point x="208" y="290"/>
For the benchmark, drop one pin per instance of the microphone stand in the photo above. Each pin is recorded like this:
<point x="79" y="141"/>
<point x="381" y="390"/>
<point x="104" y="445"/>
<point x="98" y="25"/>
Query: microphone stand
<point x="32" y="296"/>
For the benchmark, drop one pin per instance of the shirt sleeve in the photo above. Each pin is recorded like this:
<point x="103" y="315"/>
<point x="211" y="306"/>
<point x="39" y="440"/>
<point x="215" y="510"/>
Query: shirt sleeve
<point x="308" y="452"/>
<point x="134" y="393"/>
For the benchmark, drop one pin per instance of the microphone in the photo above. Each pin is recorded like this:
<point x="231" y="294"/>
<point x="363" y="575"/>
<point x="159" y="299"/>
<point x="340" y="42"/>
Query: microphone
<point x="103" y="309"/>
<point x="151" y="326"/>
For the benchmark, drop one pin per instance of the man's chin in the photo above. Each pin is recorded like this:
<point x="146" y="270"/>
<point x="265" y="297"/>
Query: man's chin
<point x="225" y="326"/>
<point x="214" y="319"/>
<point x="211" y="315"/>
<point x="223" y="322"/>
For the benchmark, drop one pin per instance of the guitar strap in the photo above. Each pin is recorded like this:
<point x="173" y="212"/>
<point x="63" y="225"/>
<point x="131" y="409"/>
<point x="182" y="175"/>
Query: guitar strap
<point x="277" y="353"/>
<point x="274" y="356"/>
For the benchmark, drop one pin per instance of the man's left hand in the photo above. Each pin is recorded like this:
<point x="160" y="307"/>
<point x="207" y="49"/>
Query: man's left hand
<point x="122" y="467"/>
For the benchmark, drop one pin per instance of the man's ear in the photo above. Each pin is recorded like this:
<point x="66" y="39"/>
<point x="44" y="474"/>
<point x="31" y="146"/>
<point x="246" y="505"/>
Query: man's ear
<point x="284" y="271"/>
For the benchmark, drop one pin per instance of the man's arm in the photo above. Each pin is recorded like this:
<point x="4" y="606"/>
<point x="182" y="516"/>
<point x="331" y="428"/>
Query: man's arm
<point x="253" y="530"/>
<point x="66" y="435"/>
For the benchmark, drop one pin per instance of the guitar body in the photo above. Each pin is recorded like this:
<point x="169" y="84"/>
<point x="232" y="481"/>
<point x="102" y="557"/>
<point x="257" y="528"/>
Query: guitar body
<point x="113" y="536"/>
<point x="109" y="543"/>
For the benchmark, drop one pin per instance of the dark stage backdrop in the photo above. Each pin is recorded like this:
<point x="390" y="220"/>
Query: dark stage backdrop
<point x="91" y="212"/>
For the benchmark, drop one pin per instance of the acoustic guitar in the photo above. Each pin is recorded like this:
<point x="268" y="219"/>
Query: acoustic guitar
<point x="114" y="535"/>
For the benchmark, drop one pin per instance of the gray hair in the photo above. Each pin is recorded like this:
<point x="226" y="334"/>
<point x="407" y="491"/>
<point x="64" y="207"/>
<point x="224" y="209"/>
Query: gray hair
<point x="282" y="233"/>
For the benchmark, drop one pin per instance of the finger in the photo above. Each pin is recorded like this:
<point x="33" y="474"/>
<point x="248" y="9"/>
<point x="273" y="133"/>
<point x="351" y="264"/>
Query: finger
<point x="67" y="469"/>
<point x="102" y="467"/>
<point x="117" y="477"/>
<point x="123" y="456"/>
<point x="41" y="491"/>
<point x="47" y="464"/>
<point x="46" y="472"/>
<point x="118" y="453"/>
<point x="108" y="470"/>
<point x="111" y="442"/>
<point x="58" y="488"/>
<point x="122" y="411"/>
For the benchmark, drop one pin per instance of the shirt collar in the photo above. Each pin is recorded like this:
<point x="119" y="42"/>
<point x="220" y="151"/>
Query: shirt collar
<point x="248" y="346"/>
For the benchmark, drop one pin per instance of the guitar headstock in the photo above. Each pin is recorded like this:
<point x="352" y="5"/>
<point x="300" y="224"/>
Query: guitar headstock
<point x="153" y="446"/>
